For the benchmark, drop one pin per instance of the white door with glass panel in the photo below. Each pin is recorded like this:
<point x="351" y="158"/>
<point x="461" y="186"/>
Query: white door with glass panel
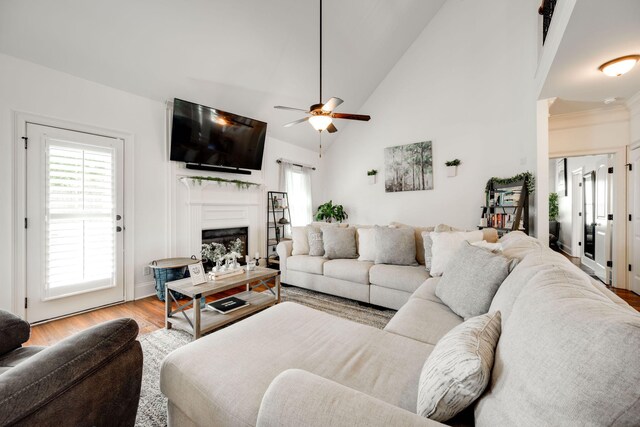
<point x="634" y="211"/>
<point x="74" y="222"/>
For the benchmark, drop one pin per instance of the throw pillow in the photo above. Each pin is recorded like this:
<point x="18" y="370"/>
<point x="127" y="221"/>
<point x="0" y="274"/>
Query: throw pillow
<point x="493" y="247"/>
<point x="471" y="279"/>
<point x="367" y="244"/>
<point x="316" y="246"/>
<point x="300" y="238"/>
<point x="458" y="369"/>
<point x="444" y="246"/>
<point x="395" y="246"/>
<point x="427" y="243"/>
<point x="420" y="253"/>
<point x="339" y="242"/>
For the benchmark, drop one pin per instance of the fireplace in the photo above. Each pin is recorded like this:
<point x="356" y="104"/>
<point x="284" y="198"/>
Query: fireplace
<point x="225" y="236"/>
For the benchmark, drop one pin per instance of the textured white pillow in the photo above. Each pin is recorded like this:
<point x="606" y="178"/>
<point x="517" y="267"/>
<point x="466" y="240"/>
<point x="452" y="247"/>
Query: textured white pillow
<point x="446" y="244"/>
<point x="458" y="369"/>
<point x="367" y="244"/>
<point x="300" y="238"/>
<point x="492" y="247"/>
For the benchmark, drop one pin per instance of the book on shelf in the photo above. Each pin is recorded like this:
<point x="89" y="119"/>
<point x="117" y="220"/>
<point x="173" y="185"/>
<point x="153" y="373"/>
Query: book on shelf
<point x="227" y="305"/>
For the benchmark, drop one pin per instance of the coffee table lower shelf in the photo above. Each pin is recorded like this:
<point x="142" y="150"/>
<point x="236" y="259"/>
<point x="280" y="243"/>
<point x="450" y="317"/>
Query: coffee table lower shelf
<point x="210" y="319"/>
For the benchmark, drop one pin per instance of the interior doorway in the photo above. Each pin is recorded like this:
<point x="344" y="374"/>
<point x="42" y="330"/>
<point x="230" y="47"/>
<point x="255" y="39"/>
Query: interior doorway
<point x="583" y="226"/>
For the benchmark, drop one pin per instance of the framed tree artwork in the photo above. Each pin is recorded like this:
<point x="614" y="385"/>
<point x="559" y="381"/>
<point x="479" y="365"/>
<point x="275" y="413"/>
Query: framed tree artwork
<point x="561" y="177"/>
<point x="408" y="167"/>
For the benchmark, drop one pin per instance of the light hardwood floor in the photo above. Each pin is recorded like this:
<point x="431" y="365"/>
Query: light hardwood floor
<point x="149" y="313"/>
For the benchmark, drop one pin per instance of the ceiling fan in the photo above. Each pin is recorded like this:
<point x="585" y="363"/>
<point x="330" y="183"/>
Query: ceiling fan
<point x="321" y="115"/>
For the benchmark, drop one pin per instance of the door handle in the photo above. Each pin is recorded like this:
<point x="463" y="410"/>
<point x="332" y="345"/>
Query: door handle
<point x="118" y="229"/>
<point x="118" y="217"/>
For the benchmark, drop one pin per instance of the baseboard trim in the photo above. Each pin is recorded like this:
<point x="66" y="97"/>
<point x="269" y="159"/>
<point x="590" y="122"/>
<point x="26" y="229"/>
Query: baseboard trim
<point x="143" y="290"/>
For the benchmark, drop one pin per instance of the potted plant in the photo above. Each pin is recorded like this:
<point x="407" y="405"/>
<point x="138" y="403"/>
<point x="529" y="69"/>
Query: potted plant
<point x="372" y="176"/>
<point x="328" y="212"/>
<point x="213" y="253"/>
<point x="452" y="167"/>
<point x="554" y="225"/>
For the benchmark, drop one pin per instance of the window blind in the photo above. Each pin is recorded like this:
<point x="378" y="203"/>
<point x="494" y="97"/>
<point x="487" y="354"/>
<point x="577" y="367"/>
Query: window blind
<point x="80" y="211"/>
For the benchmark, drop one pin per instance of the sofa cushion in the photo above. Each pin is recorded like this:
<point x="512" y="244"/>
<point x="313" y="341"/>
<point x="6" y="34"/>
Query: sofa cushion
<point x="424" y="321"/>
<point x="366" y="239"/>
<point x="227" y="389"/>
<point x="471" y="279"/>
<point x="427" y="290"/>
<point x="445" y="246"/>
<point x="300" y="238"/>
<point x="567" y="356"/>
<point x="396" y="246"/>
<point x="518" y="245"/>
<point x="535" y="263"/>
<point x="459" y="367"/>
<point x="348" y="269"/>
<point x="306" y="263"/>
<point x="316" y="244"/>
<point x="402" y="277"/>
<point x="13" y="331"/>
<point x="339" y="242"/>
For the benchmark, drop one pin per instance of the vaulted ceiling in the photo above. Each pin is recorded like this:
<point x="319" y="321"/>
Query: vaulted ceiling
<point x="242" y="56"/>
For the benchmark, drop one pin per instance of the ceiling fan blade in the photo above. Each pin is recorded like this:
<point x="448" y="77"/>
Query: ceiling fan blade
<point x="332" y="128"/>
<point x="295" y="122"/>
<point x="281" y="107"/>
<point x="347" y="116"/>
<point x="331" y="104"/>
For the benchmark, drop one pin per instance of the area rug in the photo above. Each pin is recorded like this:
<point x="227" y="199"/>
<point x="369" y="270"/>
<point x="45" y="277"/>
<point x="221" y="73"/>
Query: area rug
<point x="152" y="410"/>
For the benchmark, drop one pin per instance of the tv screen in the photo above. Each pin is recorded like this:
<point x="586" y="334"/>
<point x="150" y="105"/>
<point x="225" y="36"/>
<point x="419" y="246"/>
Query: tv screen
<point x="206" y="136"/>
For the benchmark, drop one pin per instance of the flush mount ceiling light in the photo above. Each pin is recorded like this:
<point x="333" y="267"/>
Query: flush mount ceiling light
<point x="619" y="66"/>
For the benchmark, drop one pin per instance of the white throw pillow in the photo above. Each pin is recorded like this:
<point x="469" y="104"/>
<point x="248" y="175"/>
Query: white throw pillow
<point x="446" y="244"/>
<point x="458" y="369"/>
<point x="300" y="238"/>
<point x="492" y="247"/>
<point x="367" y="244"/>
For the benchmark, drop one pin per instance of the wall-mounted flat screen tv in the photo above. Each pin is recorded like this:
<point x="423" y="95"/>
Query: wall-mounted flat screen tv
<point x="206" y="136"/>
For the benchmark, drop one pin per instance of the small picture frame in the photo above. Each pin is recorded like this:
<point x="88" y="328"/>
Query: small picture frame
<point x="561" y="177"/>
<point x="196" y="271"/>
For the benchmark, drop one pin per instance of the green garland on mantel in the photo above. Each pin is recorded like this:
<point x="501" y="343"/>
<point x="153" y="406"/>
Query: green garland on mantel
<point x="526" y="176"/>
<point x="241" y="185"/>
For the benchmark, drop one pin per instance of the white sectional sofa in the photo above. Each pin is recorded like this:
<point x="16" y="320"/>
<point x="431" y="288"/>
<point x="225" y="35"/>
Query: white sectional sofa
<point x="567" y="355"/>
<point x="384" y="285"/>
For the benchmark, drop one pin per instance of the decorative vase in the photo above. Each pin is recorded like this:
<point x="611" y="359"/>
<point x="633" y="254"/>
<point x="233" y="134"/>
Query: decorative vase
<point x="451" y="171"/>
<point x="372" y="179"/>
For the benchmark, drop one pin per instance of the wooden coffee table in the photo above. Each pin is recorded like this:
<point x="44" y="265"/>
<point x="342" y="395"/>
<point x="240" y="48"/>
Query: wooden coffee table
<point x="190" y="317"/>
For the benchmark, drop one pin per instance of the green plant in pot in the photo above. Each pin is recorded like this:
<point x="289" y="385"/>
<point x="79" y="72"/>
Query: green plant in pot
<point x="371" y="174"/>
<point x="554" y="225"/>
<point x="328" y="212"/>
<point x="553" y="206"/>
<point x="452" y="167"/>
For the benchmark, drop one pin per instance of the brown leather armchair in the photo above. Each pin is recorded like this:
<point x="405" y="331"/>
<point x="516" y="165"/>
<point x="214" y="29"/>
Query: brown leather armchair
<point x="92" y="378"/>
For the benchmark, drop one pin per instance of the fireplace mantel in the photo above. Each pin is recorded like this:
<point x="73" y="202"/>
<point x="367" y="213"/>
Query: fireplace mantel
<point x="203" y="205"/>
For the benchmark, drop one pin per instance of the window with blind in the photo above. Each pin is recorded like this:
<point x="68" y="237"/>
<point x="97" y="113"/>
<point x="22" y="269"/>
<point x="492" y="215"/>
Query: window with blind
<point x="80" y="218"/>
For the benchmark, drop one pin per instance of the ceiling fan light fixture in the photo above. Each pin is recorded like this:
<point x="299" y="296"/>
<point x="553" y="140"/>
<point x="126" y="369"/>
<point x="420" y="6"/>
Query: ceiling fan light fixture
<point x="619" y="66"/>
<point x="320" y="123"/>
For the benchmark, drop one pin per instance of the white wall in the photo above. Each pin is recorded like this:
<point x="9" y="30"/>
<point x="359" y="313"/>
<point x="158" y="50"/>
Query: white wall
<point x="30" y="88"/>
<point x="634" y="119"/>
<point x="467" y="84"/>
